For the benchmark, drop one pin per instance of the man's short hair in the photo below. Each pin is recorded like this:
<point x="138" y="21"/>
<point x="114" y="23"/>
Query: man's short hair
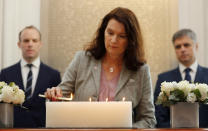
<point x="184" y="32"/>
<point x="29" y="27"/>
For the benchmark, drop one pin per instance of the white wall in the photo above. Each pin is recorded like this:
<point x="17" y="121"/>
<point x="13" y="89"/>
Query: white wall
<point x="16" y="15"/>
<point x="194" y="14"/>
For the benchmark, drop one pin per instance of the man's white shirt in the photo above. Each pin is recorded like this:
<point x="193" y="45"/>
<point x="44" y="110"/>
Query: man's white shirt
<point x="25" y="70"/>
<point x="193" y="71"/>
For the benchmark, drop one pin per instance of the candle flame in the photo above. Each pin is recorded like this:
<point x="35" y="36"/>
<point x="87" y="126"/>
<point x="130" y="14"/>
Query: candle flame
<point x="71" y="96"/>
<point x="90" y="99"/>
<point x="106" y="99"/>
<point x="123" y="99"/>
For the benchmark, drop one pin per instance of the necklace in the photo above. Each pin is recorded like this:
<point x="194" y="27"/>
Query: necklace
<point x="111" y="69"/>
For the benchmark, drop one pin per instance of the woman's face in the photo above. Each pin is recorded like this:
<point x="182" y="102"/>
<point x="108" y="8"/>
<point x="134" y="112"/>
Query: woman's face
<point x="116" y="39"/>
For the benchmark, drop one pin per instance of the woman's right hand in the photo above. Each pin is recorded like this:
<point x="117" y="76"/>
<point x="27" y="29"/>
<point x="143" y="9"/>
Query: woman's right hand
<point x="53" y="93"/>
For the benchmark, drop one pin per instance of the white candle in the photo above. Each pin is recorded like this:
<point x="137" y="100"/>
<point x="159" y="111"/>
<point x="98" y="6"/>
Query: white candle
<point x="106" y="99"/>
<point x="71" y="96"/>
<point x="89" y="114"/>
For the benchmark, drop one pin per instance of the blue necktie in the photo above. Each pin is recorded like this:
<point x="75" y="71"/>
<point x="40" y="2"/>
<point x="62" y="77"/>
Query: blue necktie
<point x="28" y="89"/>
<point x="187" y="76"/>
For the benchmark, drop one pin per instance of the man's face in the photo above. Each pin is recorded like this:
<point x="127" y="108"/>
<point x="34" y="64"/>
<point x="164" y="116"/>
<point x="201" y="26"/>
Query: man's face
<point x="30" y="44"/>
<point x="185" y="50"/>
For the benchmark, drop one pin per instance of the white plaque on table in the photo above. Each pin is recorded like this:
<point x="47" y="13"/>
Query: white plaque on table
<point x="113" y="114"/>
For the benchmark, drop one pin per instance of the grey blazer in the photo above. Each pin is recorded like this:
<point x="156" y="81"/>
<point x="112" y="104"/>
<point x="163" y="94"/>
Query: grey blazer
<point x="82" y="78"/>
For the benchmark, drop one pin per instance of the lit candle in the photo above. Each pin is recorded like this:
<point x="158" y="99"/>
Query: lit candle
<point x="71" y="96"/>
<point x="98" y="114"/>
<point x="123" y="99"/>
<point x="106" y="100"/>
<point x="90" y="99"/>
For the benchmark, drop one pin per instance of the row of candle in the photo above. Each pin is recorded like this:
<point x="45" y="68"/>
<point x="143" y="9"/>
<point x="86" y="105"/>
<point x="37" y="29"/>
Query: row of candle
<point x="90" y="99"/>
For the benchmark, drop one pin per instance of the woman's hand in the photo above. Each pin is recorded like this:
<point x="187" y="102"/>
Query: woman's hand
<point x="53" y="93"/>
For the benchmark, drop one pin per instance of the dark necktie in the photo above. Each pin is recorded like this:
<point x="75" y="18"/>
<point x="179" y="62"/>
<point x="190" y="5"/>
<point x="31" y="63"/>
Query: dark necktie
<point x="28" y="90"/>
<point x="187" y="75"/>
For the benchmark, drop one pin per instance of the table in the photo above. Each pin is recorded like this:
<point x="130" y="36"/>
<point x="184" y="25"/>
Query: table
<point x="63" y="129"/>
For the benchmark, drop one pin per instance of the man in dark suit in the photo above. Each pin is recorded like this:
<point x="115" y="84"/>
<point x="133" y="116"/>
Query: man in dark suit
<point x="185" y="44"/>
<point x="32" y="76"/>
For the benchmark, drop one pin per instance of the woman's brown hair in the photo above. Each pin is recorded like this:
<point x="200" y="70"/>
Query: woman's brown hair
<point x="134" y="54"/>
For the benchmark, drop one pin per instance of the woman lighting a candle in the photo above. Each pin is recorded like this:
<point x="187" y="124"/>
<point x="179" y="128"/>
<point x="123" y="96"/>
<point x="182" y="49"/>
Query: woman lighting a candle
<point x="112" y="66"/>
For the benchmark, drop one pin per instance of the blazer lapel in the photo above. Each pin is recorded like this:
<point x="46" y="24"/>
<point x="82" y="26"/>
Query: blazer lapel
<point x="96" y="71"/>
<point x="19" y="80"/>
<point x="39" y="79"/>
<point x="199" y="75"/>
<point x="177" y="76"/>
<point x="124" y="77"/>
